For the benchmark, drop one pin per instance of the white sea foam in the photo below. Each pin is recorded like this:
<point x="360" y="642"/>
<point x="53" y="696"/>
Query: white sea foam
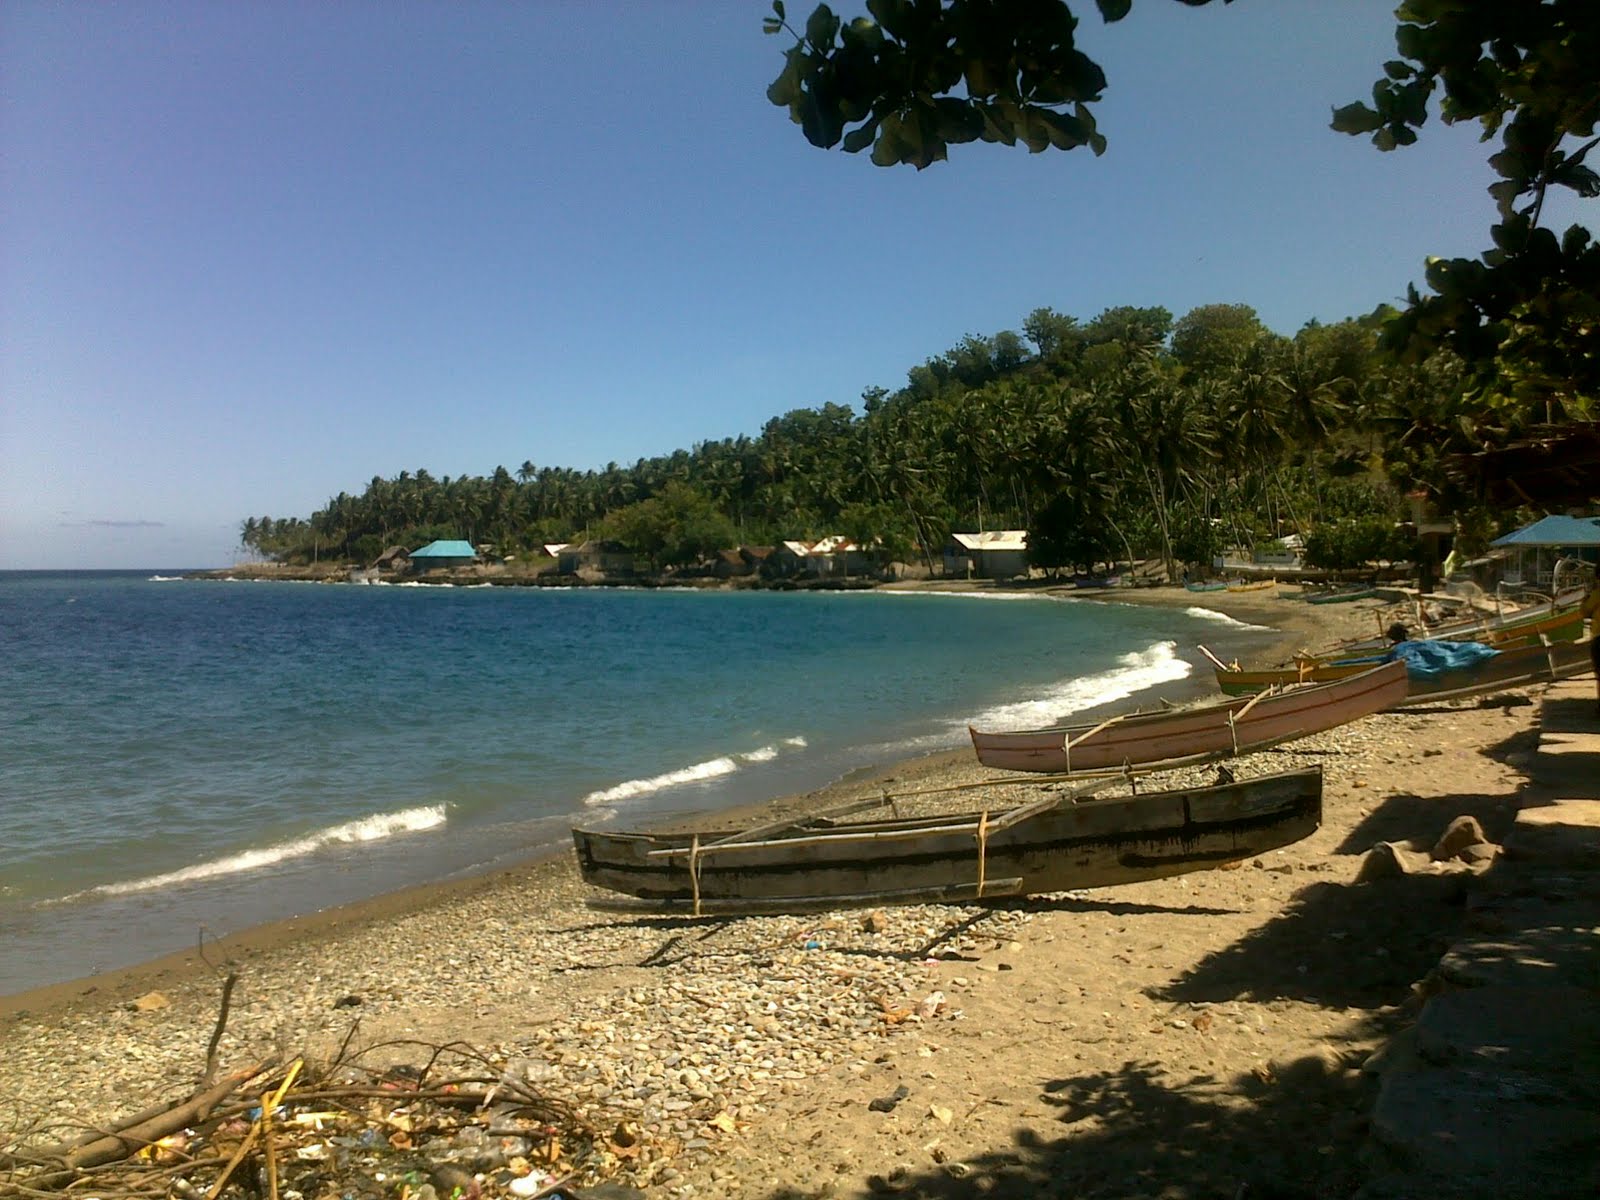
<point x="1134" y="673"/>
<point x="1222" y="618"/>
<point x="958" y="594"/>
<point x="367" y="829"/>
<point x="711" y="768"/>
<point x="165" y="579"/>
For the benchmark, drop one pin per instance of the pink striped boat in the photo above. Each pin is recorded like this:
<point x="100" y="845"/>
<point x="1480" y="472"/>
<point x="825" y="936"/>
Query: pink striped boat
<point x="1220" y="730"/>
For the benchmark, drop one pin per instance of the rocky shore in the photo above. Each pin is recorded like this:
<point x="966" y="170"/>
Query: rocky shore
<point x="1200" y="1035"/>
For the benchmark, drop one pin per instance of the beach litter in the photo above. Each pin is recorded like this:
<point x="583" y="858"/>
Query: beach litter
<point x="462" y="1125"/>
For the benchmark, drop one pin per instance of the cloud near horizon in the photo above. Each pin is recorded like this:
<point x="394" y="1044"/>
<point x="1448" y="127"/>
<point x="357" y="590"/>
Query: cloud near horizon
<point x="104" y="524"/>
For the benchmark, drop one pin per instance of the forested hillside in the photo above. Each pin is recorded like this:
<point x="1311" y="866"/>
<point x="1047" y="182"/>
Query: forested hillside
<point x="1126" y="435"/>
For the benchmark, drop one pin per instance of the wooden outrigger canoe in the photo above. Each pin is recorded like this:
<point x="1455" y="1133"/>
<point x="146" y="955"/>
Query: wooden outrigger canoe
<point x="1236" y="681"/>
<point x="1258" y="585"/>
<point x="1510" y="668"/>
<point x="1061" y="842"/>
<point x="1517" y="664"/>
<point x="1556" y="619"/>
<point x="1524" y="658"/>
<point x="1217" y="730"/>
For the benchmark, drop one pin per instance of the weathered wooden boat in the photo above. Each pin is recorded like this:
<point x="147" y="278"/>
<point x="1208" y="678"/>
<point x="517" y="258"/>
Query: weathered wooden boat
<point x="1217" y="730"/>
<point x="1513" y="666"/>
<point x="1213" y="585"/>
<point x="1235" y="681"/>
<point x="1343" y="597"/>
<point x="1557" y="621"/>
<point x="1257" y="585"/>
<point x="1055" y="844"/>
<point x="1520" y="667"/>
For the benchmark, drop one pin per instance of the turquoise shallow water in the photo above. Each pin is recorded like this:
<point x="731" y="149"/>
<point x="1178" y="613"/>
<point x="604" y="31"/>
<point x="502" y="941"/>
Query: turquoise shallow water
<point x="182" y="753"/>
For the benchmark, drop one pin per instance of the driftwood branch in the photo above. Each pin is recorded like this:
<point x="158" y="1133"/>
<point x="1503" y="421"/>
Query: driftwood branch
<point x="234" y="1133"/>
<point x="135" y="1137"/>
<point x="216" y="1033"/>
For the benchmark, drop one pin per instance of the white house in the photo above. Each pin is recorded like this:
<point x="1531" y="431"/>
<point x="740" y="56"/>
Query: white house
<point x="996" y="554"/>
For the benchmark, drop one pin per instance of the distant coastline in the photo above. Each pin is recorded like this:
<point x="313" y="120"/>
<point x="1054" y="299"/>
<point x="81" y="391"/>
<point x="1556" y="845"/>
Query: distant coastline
<point x="1145" y="579"/>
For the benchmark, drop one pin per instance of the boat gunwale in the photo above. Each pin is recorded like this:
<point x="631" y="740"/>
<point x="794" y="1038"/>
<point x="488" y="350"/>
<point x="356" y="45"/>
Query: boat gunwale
<point x="936" y="821"/>
<point x="1529" y="664"/>
<point x="1183" y="720"/>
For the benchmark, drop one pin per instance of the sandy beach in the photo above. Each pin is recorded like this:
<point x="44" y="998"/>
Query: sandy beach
<point x="1180" y="1037"/>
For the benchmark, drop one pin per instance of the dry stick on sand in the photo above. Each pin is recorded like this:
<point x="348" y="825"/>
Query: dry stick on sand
<point x="268" y="1103"/>
<point x="133" y="1138"/>
<point x="216" y="1033"/>
<point x="144" y="1128"/>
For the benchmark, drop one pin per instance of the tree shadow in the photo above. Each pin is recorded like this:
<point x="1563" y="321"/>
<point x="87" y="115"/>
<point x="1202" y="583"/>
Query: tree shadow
<point x="1404" y="816"/>
<point x="1517" y="750"/>
<point x="1342" y="945"/>
<point x="684" y="934"/>
<point x="1284" y="1132"/>
<point x="1130" y="1132"/>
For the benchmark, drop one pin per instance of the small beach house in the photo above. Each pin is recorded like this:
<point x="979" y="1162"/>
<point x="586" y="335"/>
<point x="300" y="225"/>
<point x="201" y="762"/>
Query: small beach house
<point x="996" y="554"/>
<point x="443" y="554"/>
<point x="1551" y="539"/>
<point x="823" y="558"/>
<point x="607" y="558"/>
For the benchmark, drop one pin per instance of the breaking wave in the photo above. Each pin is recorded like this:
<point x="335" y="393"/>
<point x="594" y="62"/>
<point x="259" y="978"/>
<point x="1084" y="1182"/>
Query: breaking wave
<point x="366" y="829"/>
<point x="1222" y="618"/>
<point x="1133" y="674"/>
<point x="711" y="768"/>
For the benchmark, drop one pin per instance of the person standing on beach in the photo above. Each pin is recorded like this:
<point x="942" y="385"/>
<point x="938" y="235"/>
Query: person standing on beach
<point x="1590" y="609"/>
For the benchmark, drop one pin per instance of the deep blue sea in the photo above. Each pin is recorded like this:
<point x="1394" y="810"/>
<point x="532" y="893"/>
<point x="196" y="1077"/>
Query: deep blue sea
<point x="184" y="754"/>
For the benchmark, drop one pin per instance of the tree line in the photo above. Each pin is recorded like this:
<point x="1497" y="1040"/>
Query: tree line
<point x="1128" y="435"/>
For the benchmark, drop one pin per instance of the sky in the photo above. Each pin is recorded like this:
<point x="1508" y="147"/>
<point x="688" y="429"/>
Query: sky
<point x="255" y="254"/>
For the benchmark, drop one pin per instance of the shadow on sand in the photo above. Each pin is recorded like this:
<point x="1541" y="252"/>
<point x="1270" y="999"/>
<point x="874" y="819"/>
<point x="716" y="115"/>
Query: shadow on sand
<point x="1292" y="1135"/>
<point x="1404" y="816"/>
<point x="1284" y="1132"/>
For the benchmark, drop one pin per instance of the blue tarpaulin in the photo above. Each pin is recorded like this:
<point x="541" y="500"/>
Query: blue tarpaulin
<point x="1430" y="660"/>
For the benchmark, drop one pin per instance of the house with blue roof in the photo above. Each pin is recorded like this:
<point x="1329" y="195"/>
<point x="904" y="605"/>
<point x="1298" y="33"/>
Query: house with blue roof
<point x="443" y="554"/>
<point x="1551" y="540"/>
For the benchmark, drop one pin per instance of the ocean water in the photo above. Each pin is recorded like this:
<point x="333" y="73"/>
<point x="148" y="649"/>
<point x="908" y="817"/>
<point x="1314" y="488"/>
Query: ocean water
<point x="183" y="756"/>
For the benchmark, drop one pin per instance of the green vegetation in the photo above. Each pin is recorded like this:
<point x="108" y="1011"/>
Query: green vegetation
<point x="1354" y="542"/>
<point x="1095" y="435"/>
<point x="1523" y="320"/>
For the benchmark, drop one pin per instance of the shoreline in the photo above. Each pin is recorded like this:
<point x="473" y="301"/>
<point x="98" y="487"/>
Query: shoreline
<point x="1293" y="625"/>
<point x="756" y="1056"/>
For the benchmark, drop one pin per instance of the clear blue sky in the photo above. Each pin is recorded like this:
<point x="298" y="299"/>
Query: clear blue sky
<point x="253" y="254"/>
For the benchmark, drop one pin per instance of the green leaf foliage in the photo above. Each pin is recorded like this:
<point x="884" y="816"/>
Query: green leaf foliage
<point x="916" y="77"/>
<point x="920" y="76"/>
<point x="1522" y="314"/>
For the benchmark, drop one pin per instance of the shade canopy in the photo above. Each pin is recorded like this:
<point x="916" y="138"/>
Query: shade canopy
<point x="1555" y="531"/>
